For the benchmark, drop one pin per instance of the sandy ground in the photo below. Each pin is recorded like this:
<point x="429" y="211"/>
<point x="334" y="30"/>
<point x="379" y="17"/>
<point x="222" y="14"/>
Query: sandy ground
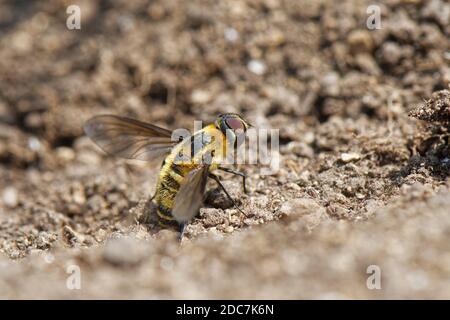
<point x="364" y="148"/>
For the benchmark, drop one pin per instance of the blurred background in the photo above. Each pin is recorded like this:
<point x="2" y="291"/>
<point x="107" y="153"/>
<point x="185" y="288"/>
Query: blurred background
<point x="360" y="183"/>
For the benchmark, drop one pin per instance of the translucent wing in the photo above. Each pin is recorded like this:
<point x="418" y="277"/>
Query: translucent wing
<point x="189" y="198"/>
<point x="128" y="138"/>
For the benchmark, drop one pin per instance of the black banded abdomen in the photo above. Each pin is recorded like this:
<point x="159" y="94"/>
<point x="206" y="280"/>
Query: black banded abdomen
<point x="167" y="188"/>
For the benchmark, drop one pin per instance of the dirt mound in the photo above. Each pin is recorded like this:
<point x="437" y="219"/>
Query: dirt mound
<point x="436" y="109"/>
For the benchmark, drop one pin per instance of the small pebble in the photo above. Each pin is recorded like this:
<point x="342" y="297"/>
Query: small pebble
<point x="257" y="67"/>
<point x="79" y="197"/>
<point x="89" y="158"/>
<point x="34" y="144"/>
<point x="360" y="196"/>
<point x="65" y="153"/>
<point x="293" y="186"/>
<point x="349" y="157"/>
<point x="200" y="96"/>
<point x="231" y="34"/>
<point x="10" y="197"/>
<point x="229" y="229"/>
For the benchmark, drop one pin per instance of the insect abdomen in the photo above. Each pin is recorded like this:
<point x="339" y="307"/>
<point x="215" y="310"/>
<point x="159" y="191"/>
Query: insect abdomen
<point x="167" y="188"/>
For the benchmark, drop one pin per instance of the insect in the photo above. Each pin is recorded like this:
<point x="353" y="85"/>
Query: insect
<point x="187" y="165"/>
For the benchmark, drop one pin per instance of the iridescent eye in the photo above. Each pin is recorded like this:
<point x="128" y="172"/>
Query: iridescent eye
<point x="234" y="124"/>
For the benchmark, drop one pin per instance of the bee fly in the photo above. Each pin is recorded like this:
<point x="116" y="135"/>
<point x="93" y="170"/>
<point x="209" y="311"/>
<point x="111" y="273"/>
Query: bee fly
<point x="182" y="179"/>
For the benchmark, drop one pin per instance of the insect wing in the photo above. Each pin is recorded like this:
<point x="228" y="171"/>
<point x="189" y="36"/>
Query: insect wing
<point x="128" y="138"/>
<point x="189" y="198"/>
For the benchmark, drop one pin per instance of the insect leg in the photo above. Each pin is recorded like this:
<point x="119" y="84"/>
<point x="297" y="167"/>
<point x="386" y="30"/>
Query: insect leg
<point x="238" y="173"/>
<point x="182" y="228"/>
<point x="212" y="176"/>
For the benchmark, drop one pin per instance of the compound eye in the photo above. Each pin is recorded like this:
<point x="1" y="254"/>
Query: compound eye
<point x="234" y="124"/>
